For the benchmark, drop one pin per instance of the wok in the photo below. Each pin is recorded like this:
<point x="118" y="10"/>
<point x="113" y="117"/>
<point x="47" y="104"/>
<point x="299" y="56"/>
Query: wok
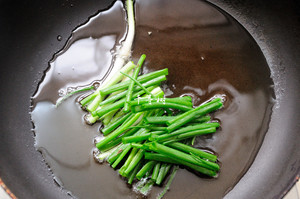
<point x="29" y="31"/>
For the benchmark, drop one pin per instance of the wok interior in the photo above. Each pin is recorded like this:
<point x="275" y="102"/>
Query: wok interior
<point x="35" y="40"/>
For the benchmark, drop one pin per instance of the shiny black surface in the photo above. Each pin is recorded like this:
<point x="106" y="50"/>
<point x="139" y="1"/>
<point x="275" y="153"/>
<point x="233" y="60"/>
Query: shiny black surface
<point x="276" y="28"/>
<point x="29" y="31"/>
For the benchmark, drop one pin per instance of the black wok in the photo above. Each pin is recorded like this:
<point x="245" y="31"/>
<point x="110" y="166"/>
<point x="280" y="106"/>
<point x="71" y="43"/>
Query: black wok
<point x="29" y="31"/>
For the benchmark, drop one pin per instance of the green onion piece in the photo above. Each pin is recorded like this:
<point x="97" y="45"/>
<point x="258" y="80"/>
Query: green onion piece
<point x="128" y="161"/>
<point x="121" y="156"/>
<point x="118" y="140"/>
<point x="189" y="149"/>
<point x="212" y="165"/>
<point x="146" y="168"/>
<point x="155" y="171"/>
<point x="166" y="159"/>
<point x="152" y="82"/>
<point x="113" y="77"/>
<point x="88" y="99"/>
<point x="123" y="54"/>
<point x="167" y="187"/>
<point x="164" y="119"/>
<point x="164" y="169"/>
<point x="159" y="157"/>
<point x="135" y="138"/>
<point x="119" y="114"/>
<point x="192" y="114"/>
<point x="202" y="119"/>
<point x="139" y="84"/>
<point x="89" y="119"/>
<point x="112" y="126"/>
<point x="130" y="87"/>
<point x="114" y="106"/>
<point x="158" y="119"/>
<point x="115" y="154"/>
<point x="175" y="154"/>
<point x="134" y="172"/>
<point x="100" y="112"/>
<point x="188" y="129"/>
<point x="137" y="158"/>
<point x="156" y="105"/>
<point x="157" y="132"/>
<point x="107" y="118"/>
<point x="119" y="131"/>
<point x="103" y="155"/>
<point x="141" y="79"/>
<point x="190" y="134"/>
<point x="177" y="100"/>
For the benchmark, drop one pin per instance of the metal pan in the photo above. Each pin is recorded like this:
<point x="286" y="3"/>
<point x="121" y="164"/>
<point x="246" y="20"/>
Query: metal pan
<point x="29" y="31"/>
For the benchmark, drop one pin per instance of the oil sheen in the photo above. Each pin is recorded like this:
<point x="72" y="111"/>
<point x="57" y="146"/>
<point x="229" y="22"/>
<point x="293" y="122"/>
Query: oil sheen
<point x="206" y="51"/>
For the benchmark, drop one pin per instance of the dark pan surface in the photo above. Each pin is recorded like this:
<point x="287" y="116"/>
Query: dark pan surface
<point x="275" y="26"/>
<point x="29" y="33"/>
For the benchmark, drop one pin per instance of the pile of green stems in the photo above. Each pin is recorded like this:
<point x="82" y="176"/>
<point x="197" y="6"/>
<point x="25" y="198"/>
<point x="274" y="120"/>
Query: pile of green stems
<point x="146" y="134"/>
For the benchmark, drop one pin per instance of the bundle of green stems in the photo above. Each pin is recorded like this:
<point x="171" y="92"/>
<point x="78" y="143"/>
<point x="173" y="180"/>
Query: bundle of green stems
<point x="146" y="135"/>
